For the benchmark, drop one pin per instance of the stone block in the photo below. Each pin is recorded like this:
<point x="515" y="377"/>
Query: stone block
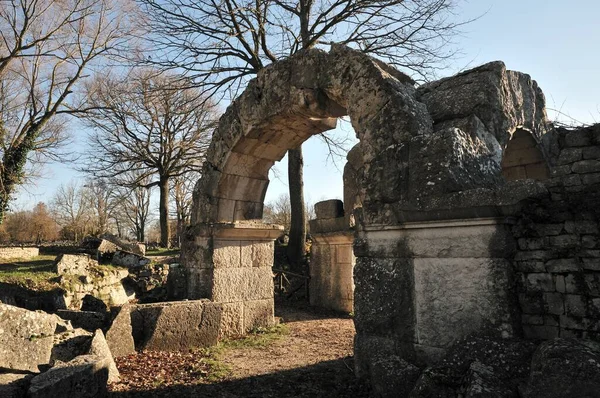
<point x="591" y="152"/>
<point x="573" y="180"/>
<point x="530" y="266"/>
<point x="26" y="338"/>
<point x="563" y="241"/>
<point x="541" y="282"/>
<point x="554" y="303"/>
<point x="227" y="254"/>
<point x="99" y="348"/>
<point x="562" y="265"/>
<point x="532" y="243"/>
<point x="532" y="319"/>
<point x="569" y="155"/>
<point x="548" y="229"/>
<point x="591" y="179"/>
<point x="531" y="303"/>
<point x="581" y="227"/>
<point x="262" y="254"/>
<point x="176" y="326"/>
<point x="68" y="345"/>
<point x="119" y="336"/>
<point x="258" y="314"/>
<point x="84" y="377"/>
<point x="14" y="385"/>
<point x="586" y="166"/>
<point x="577" y="138"/>
<point x="575" y="305"/>
<point x="589" y="241"/>
<point x="232" y="320"/>
<point x="329" y="225"/>
<point x="333" y="208"/>
<point x="88" y="320"/>
<point x="393" y="377"/>
<point x="472" y="297"/>
<point x="591" y="264"/>
<point x="559" y="282"/>
<point x="540" y="332"/>
<point x="242" y="284"/>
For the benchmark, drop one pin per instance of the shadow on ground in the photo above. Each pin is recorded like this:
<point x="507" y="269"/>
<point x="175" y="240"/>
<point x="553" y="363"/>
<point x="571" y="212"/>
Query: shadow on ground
<point x="325" y="379"/>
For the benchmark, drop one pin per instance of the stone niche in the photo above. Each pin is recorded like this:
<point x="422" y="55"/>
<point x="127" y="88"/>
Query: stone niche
<point x="445" y="177"/>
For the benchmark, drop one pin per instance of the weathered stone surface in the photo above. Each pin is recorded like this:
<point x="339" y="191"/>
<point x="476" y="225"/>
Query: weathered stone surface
<point x="88" y="320"/>
<point x="258" y="313"/>
<point x="126" y="259"/>
<point x="14" y="385"/>
<point x="393" y="377"/>
<point x="69" y="345"/>
<point x="242" y="284"/>
<point x="565" y="368"/>
<point x="100" y="349"/>
<point x="119" y="335"/>
<point x="26" y="338"/>
<point x="90" y="303"/>
<point x="333" y="208"/>
<point x="84" y="377"/>
<point x="176" y="326"/>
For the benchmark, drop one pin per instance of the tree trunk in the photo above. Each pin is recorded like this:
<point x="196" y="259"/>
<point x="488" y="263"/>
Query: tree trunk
<point x="296" y="245"/>
<point x="165" y="238"/>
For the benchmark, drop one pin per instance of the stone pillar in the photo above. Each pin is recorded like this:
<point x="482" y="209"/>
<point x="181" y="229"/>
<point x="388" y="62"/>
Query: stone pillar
<point x="421" y="286"/>
<point x="331" y="271"/>
<point x="232" y="264"/>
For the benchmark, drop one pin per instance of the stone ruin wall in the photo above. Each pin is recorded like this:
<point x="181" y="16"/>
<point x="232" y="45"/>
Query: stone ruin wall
<point x="458" y="182"/>
<point x="7" y="253"/>
<point x="557" y="261"/>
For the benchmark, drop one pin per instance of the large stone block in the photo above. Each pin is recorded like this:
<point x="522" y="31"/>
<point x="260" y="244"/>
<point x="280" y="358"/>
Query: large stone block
<point x="119" y="335"/>
<point x="333" y="208"/>
<point x="456" y="297"/>
<point x="99" y="348"/>
<point x="14" y="385"/>
<point x="176" y="326"/>
<point x="26" y="338"/>
<point x="84" y="377"/>
<point x="232" y="320"/>
<point x="258" y="314"/>
<point x="227" y="254"/>
<point x="242" y="284"/>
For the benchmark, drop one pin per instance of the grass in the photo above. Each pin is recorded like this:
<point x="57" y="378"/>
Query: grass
<point x="34" y="273"/>
<point x="162" y="252"/>
<point x="257" y="338"/>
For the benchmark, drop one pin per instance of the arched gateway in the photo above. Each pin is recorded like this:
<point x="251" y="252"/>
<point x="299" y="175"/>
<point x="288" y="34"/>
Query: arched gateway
<point x="431" y="242"/>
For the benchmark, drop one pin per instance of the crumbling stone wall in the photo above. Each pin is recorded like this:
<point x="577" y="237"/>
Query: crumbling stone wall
<point x="7" y="253"/>
<point x="558" y="256"/>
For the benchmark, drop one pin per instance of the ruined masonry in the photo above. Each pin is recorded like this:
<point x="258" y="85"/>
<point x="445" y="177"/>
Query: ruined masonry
<point x="470" y="212"/>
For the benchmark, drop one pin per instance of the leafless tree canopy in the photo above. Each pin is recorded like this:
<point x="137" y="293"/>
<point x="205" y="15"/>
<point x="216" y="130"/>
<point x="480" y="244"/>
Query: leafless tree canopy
<point x="221" y="43"/>
<point x="47" y="48"/>
<point x="148" y="125"/>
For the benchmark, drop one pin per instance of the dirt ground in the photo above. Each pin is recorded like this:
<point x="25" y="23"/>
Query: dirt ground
<point x="313" y="360"/>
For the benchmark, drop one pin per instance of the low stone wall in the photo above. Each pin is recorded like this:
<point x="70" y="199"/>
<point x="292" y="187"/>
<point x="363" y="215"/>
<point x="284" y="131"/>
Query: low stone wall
<point x="558" y="258"/>
<point x="18" y="252"/>
<point x="177" y="325"/>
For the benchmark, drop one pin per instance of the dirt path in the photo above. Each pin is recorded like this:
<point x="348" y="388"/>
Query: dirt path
<point x="313" y="360"/>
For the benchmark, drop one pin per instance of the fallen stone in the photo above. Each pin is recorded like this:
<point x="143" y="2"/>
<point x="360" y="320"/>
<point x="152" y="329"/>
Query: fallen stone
<point x="88" y="320"/>
<point x="93" y="304"/>
<point x="84" y="377"/>
<point x="26" y="338"/>
<point x="565" y="368"/>
<point x="73" y="264"/>
<point x="99" y="347"/>
<point x="14" y="385"/>
<point x="69" y="345"/>
<point x="119" y="335"/>
<point x="127" y="259"/>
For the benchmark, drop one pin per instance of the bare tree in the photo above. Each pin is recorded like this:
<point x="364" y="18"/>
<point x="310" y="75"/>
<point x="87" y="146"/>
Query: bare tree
<point x="181" y="194"/>
<point x="134" y="206"/>
<point x="72" y="211"/>
<point x="149" y="125"/>
<point x="47" y="47"/>
<point x="221" y="44"/>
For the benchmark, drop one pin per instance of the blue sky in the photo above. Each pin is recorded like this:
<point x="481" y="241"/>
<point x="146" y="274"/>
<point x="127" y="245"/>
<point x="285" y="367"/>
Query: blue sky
<point x="556" y="42"/>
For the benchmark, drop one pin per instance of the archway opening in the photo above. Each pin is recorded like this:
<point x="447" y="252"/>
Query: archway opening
<point x="523" y="159"/>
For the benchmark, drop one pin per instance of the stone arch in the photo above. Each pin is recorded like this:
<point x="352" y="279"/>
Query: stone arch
<point x="431" y="191"/>
<point x="522" y="158"/>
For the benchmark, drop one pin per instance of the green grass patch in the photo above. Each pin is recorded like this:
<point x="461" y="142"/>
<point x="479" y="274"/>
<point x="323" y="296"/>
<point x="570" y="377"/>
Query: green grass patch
<point x="162" y="252"/>
<point x="36" y="273"/>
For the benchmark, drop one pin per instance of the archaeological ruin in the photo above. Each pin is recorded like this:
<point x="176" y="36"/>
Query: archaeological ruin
<point x="471" y="213"/>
